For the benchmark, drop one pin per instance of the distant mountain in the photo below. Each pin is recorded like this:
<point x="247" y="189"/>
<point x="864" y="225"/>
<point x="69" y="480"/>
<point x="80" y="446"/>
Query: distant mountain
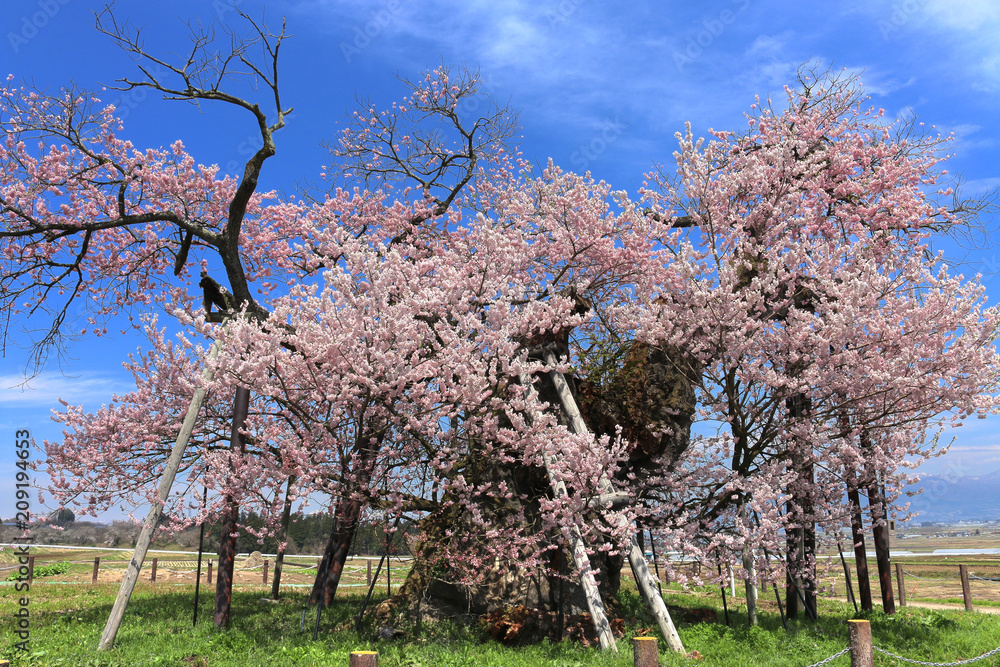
<point x="950" y="498"/>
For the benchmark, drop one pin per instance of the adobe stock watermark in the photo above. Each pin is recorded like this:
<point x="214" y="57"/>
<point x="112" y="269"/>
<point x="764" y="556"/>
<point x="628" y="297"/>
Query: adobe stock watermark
<point x="31" y="24"/>
<point x="22" y="495"/>
<point x="364" y="34"/>
<point x="902" y="12"/>
<point x="564" y="9"/>
<point x="712" y="29"/>
<point x="609" y="133"/>
<point x="224" y="7"/>
<point x="245" y="149"/>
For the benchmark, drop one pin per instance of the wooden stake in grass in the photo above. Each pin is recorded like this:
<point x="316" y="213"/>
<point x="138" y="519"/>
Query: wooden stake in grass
<point x="644" y="653"/>
<point x="364" y="659"/>
<point x="97" y="567"/>
<point x="152" y="574"/>
<point x="900" y="584"/>
<point x="156" y="510"/>
<point x="860" y="633"/>
<point x="963" y="571"/>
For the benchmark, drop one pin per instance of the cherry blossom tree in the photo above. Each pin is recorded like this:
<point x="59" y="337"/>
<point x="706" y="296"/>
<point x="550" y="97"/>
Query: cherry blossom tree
<point x="808" y="291"/>
<point x="778" y="284"/>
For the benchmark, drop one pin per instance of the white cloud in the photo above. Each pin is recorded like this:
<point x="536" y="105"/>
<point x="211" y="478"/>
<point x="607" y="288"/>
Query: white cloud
<point x="46" y="389"/>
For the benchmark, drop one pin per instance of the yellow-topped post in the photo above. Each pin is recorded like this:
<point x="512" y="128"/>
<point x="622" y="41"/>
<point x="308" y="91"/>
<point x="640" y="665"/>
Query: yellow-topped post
<point x="364" y="659"/>
<point x="645" y="652"/>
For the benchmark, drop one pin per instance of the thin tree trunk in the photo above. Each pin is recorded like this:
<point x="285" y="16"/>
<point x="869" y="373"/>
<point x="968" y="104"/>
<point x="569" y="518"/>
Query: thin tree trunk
<point x="155" y="510"/>
<point x="286" y="516"/>
<point x="751" y="586"/>
<point x="801" y="541"/>
<point x="860" y="554"/>
<point x="227" y="542"/>
<point x="227" y="565"/>
<point x="880" y="530"/>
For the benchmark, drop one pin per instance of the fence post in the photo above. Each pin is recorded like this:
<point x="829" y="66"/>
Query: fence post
<point x="368" y="579"/>
<point x="364" y="659"/>
<point x="209" y="572"/>
<point x="265" y="571"/>
<point x="644" y="652"/>
<point x="31" y="569"/>
<point x="152" y="573"/>
<point x="901" y="584"/>
<point x="963" y="570"/>
<point x="862" y="654"/>
<point x="97" y="566"/>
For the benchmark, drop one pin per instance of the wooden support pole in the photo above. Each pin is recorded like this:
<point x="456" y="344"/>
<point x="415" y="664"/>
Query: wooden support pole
<point x="368" y="577"/>
<point x="152" y="573"/>
<point x="156" y="509"/>
<point x="644" y="653"/>
<point x="637" y="559"/>
<point x="209" y="572"/>
<point x="579" y="550"/>
<point x="364" y="659"/>
<point x="266" y="563"/>
<point x="901" y="584"/>
<point x="963" y="570"/>
<point x="31" y="569"/>
<point x="97" y="567"/>
<point x="862" y="654"/>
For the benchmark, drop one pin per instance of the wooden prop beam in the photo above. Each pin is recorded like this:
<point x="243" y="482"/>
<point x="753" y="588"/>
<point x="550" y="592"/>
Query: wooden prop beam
<point x="579" y="550"/>
<point x="156" y="510"/>
<point x="637" y="559"/>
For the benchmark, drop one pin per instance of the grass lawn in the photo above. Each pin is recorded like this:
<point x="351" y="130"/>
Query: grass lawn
<point x="67" y="621"/>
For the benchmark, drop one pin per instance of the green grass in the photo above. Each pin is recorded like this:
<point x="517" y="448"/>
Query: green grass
<point x="67" y="621"/>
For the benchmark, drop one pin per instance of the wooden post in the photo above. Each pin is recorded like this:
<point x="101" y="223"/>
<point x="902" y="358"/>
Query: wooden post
<point x="97" y="566"/>
<point x="31" y="569"/>
<point x="265" y="571"/>
<point x="901" y="584"/>
<point x="209" y="572"/>
<point x="368" y="578"/>
<point x="963" y="570"/>
<point x="152" y="573"/>
<point x="388" y="572"/>
<point x="156" y="510"/>
<point x="364" y="659"/>
<point x="862" y="654"/>
<point x="644" y="653"/>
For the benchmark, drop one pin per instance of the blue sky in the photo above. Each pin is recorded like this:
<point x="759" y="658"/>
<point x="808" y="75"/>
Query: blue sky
<point x="600" y="86"/>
